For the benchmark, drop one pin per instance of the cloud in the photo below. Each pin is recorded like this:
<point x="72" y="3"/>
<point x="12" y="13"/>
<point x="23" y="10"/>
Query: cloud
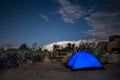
<point x="70" y="12"/>
<point x="44" y="17"/>
<point x="105" y="22"/>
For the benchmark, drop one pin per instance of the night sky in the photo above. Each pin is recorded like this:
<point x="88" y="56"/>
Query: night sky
<point x="47" y="21"/>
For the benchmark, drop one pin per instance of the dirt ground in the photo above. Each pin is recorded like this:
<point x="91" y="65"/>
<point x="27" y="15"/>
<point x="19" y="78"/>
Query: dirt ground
<point x="56" y="71"/>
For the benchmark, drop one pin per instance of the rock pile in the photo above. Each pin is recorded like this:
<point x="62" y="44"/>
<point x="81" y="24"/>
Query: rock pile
<point x="113" y="44"/>
<point x="112" y="47"/>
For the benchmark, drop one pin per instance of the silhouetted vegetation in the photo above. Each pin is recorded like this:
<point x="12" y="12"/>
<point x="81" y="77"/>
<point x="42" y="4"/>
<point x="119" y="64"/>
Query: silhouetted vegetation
<point x="23" y="47"/>
<point x="55" y="47"/>
<point x="13" y="58"/>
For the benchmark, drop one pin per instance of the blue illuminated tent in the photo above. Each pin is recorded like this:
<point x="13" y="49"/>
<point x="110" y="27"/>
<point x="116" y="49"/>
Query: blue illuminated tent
<point x="83" y="60"/>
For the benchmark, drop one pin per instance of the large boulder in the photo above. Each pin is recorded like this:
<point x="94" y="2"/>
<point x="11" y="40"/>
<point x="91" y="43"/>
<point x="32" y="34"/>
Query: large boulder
<point x="109" y="46"/>
<point x="113" y="46"/>
<point x="102" y="45"/>
<point x="114" y="43"/>
<point x="114" y="37"/>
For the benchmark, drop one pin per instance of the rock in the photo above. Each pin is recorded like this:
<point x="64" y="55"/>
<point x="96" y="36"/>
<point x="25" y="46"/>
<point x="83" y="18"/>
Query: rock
<point x="109" y="46"/>
<point x="113" y="37"/>
<point x="102" y="45"/>
<point x="113" y="46"/>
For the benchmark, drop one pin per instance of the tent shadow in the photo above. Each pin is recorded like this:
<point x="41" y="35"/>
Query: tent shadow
<point x="86" y="69"/>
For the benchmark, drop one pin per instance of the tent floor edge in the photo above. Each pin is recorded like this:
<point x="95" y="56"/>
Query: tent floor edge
<point x="88" y="69"/>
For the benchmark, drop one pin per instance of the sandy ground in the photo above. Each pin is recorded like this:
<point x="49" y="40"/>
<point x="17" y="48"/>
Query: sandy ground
<point x="56" y="71"/>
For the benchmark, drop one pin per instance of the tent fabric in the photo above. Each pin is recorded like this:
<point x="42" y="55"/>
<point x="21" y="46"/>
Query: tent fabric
<point x="84" y="60"/>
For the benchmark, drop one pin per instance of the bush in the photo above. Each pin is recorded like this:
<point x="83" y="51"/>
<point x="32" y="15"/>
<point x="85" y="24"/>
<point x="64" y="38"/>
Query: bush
<point x="104" y="59"/>
<point x="38" y="55"/>
<point x="100" y="55"/>
<point x="8" y="59"/>
<point x="15" y="58"/>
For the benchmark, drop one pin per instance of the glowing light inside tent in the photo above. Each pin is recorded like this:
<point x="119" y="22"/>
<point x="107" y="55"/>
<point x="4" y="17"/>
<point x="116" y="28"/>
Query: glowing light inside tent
<point x="83" y="60"/>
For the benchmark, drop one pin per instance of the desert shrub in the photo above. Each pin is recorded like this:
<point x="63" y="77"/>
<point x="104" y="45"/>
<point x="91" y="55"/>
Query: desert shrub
<point x="3" y="60"/>
<point x="86" y="47"/>
<point x="23" y="56"/>
<point x="27" y="54"/>
<point x="97" y="53"/>
<point x="15" y="58"/>
<point x="8" y="59"/>
<point x="100" y="55"/>
<point x="38" y="55"/>
<point x="104" y="59"/>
